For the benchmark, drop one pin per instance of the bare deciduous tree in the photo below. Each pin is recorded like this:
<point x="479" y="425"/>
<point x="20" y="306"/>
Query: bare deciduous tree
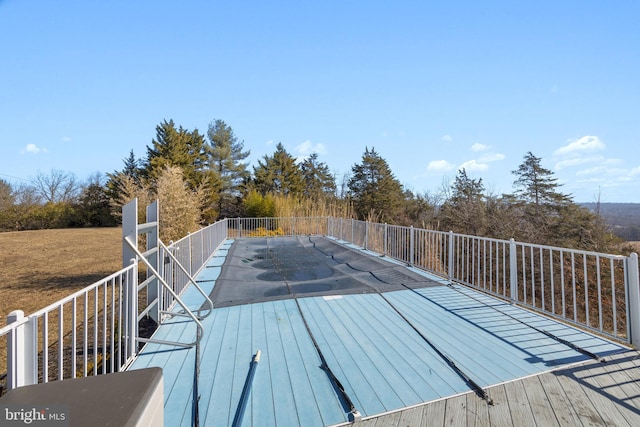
<point x="57" y="186"/>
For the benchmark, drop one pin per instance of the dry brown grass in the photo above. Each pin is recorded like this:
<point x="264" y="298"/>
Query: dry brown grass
<point x="41" y="267"/>
<point x="636" y="246"/>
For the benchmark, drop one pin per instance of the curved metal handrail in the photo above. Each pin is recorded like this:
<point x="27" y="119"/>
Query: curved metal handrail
<point x="188" y="312"/>
<point x="191" y="279"/>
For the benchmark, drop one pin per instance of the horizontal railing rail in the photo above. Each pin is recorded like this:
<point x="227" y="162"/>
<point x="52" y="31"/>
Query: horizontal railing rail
<point x="96" y="330"/>
<point x="596" y="291"/>
<point x="273" y="227"/>
<point x="83" y="334"/>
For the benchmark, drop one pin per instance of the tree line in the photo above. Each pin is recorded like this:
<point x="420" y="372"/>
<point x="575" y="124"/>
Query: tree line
<point x="200" y="178"/>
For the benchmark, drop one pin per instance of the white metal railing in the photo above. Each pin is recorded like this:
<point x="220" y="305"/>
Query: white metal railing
<point x="595" y="291"/>
<point x="86" y="333"/>
<point x="273" y="227"/>
<point x="95" y="330"/>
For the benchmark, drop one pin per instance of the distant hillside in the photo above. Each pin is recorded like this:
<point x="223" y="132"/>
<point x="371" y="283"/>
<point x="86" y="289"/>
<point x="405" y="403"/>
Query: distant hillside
<point x="624" y="218"/>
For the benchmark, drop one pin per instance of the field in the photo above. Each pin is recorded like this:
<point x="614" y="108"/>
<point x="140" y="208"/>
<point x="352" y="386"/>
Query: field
<point x="40" y="267"/>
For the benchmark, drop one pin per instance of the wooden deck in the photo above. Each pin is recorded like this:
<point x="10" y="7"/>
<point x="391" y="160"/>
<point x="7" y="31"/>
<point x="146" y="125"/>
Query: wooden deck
<point x="587" y="394"/>
<point x="385" y="367"/>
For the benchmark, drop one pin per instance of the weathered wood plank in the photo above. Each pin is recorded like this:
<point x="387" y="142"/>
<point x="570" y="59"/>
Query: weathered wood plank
<point x="433" y="414"/>
<point x="539" y="402"/>
<point x="371" y="422"/>
<point x="577" y="396"/>
<point x="390" y="420"/>
<point x="499" y="414"/>
<point x="477" y="411"/>
<point x="455" y="412"/>
<point x="559" y="401"/>
<point x="519" y="405"/>
<point x="411" y="417"/>
<point x="613" y="386"/>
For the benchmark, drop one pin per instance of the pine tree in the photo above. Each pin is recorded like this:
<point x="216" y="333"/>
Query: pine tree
<point x="538" y="199"/>
<point x="177" y="147"/>
<point x="225" y="158"/>
<point x="465" y="211"/>
<point x="132" y="166"/>
<point x="93" y="208"/>
<point x="374" y="189"/>
<point x="278" y="174"/>
<point x="317" y="179"/>
<point x="536" y="185"/>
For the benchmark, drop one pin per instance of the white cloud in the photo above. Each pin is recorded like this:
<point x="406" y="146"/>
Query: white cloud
<point x="579" y="161"/>
<point x="32" y="149"/>
<point x="473" y="166"/>
<point x="592" y="171"/>
<point x="479" y="147"/>
<point x="491" y="157"/>
<point x="307" y="148"/>
<point x="269" y="142"/>
<point x="585" y="144"/>
<point x="304" y="150"/>
<point x="440" y="166"/>
<point x="635" y="171"/>
<point x="446" y="138"/>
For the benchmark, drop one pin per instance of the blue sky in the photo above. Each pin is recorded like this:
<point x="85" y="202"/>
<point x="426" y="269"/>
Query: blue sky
<point x="433" y="86"/>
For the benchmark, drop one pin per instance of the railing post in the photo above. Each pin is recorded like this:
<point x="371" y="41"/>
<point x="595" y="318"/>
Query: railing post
<point x="513" y="270"/>
<point x="132" y="310"/>
<point x="129" y="230"/>
<point x="152" y="242"/>
<point x="22" y="368"/>
<point x="411" y="242"/>
<point x="451" y="261"/>
<point x="352" y="231"/>
<point x="190" y="251"/>
<point x="634" y="299"/>
<point x="386" y="234"/>
<point x="366" y="234"/>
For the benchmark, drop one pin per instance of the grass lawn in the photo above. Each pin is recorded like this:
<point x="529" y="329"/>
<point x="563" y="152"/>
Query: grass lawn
<point x="40" y="267"/>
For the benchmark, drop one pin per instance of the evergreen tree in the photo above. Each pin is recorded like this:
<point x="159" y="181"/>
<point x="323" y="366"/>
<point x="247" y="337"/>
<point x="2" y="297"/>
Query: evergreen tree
<point x="132" y="166"/>
<point x="93" y="209"/>
<point x="225" y="158"/>
<point x="119" y="183"/>
<point x="537" y="198"/>
<point x="317" y="179"/>
<point x="278" y="174"/>
<point x="465" y="211"/>
<point x="374" y="189"/>
<point x="177" y="147"/>
<point x="537" y="186"/>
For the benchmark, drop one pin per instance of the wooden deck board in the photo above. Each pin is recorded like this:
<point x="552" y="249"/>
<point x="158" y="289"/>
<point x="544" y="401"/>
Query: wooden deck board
<point x="519" y="406"/>
<point x="565" y="414"/>
<point x="433" y="414"/>
<point x="558" y="398"/>
<point x="538" y="401"/>
<point x="455" y="412"/>
<point x="499" y="414"/>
